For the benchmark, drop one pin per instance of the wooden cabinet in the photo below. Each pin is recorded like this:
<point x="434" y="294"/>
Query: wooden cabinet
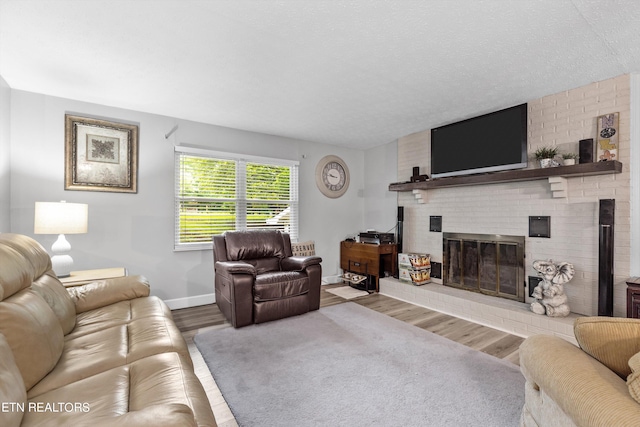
<point x="633" y="298"/>
<point x="369" y="259"/>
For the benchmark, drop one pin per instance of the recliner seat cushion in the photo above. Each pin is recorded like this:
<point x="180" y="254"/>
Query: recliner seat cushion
<point x="280" y="284"/>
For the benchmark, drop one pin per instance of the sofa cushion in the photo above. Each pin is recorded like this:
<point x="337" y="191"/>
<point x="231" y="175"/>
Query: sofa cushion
<point x="55" y="294"/>
<point x="12" y="391"/>
<point x="610" y="340"/>
<point x="108" y="348"/>
<point x="118" y="313"/>
<point x="307" y="248"/>
<point x="33" y="333"/>
<point x="30" y="250"/>
<point x="16" y="272"/>
<point x="245" y="245"/>
<point x="157" y="390"/>
<point x="280" y="284"/>
<point x="633" y="380"/>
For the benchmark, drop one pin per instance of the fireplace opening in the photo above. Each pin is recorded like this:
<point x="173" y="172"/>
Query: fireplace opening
<point x="492" y="264"/>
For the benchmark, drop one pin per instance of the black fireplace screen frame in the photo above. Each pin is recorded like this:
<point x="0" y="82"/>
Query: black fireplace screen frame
<point x="466" y="275"/>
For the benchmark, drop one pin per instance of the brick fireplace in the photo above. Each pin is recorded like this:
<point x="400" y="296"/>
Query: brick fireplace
<point x="504" y="208"/>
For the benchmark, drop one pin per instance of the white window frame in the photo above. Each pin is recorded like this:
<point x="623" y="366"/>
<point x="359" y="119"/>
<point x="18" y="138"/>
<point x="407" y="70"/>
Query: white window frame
<point x="240" y="200"/>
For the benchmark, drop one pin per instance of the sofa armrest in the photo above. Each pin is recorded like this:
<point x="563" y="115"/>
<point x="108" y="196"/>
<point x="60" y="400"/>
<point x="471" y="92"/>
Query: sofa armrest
<point x="299" y="263"/>
<point x="586" y="390"/>
<point x="235" y="267"/>
<point x="109" y="291"/>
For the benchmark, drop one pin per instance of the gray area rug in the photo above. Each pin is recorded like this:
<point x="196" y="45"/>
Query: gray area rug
<point x="347" y="365"/>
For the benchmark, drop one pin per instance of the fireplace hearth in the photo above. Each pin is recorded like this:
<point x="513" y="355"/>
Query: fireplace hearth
<point x="491" y="264"/>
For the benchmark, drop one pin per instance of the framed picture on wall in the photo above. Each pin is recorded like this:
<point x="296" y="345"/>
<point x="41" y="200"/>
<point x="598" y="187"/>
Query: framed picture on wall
<point x="100" y="155"/>
<point x="607" y="139"/>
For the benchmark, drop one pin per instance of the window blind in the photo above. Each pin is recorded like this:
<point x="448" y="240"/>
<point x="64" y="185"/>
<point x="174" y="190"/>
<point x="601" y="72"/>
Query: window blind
<point x="217" y="192"/>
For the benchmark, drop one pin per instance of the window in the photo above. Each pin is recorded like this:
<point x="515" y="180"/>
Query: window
<point x="216" y="192"/>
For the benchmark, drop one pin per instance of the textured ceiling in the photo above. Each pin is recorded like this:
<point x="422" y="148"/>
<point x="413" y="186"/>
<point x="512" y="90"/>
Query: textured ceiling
<point x="357" y="73"/>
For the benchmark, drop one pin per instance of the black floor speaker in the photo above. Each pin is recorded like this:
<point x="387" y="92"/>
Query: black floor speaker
<point x="399" y="227"/>
<point x="605" y="256"/>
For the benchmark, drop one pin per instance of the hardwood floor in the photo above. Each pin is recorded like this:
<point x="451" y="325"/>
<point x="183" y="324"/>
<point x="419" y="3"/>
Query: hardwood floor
<point x="500" y="344"/>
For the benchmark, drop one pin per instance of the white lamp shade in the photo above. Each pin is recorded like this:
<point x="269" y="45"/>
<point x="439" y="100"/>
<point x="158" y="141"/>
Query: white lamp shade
<point x="61" y="218"/>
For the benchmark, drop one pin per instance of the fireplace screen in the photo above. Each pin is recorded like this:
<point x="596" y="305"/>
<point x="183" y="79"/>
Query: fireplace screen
<point x="490" y="264"/>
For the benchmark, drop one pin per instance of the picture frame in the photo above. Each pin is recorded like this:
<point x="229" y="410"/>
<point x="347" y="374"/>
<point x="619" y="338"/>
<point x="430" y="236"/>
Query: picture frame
<point x="607" y="138"/>
<point x="100" y="155"/>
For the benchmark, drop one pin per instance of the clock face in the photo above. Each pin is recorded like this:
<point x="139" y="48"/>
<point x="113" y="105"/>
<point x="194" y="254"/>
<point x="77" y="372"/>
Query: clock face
<point x="332" y="176"/>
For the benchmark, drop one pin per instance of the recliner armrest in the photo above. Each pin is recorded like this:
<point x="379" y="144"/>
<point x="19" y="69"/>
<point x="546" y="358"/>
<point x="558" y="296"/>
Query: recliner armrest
<point x="235" y="267"/>
<point x="299" y="263"/>
<point x="109" y="291"/>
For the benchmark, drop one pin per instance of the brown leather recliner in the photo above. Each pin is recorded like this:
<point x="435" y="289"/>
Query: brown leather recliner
<point x="258" y="280"/>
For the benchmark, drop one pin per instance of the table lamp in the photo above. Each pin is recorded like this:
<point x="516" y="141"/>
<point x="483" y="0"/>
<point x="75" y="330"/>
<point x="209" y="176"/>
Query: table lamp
<point x="61" y="218"/>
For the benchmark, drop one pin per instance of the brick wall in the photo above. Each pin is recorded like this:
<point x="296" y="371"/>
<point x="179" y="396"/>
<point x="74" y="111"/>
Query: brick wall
<point x="561" y="120"/>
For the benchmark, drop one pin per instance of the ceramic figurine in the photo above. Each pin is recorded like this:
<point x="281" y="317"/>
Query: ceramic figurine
<point x="549" y="294"/>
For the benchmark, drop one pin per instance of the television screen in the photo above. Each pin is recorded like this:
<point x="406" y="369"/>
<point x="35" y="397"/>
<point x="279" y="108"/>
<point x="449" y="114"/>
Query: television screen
<point x="492" y="142"/>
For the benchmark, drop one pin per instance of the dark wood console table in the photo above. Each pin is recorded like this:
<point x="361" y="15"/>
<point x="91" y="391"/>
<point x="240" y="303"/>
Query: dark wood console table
<point x="633" y="297"/>
<point x="369" y="259"/>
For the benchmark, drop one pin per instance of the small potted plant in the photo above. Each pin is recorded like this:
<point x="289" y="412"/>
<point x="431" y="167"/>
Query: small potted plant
<point x="569" y="159"/>
<point x="546" y="156"/>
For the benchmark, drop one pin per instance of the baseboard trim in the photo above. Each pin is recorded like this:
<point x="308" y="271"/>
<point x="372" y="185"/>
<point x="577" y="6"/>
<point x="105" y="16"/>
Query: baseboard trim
<point x="188" y="302"/>
<point x="194" y="301"/>
<point x="328" y="280"/>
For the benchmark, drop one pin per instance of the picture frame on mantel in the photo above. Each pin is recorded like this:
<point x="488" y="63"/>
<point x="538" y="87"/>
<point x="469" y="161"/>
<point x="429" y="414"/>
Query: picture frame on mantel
<point x="607" y="138"/>
<point x="100" y="155"/>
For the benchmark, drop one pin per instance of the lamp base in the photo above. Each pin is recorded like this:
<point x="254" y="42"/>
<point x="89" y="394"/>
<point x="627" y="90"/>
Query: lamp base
<point x="61" y="261"/>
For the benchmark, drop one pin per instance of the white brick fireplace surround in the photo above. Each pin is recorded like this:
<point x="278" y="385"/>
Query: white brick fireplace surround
<point x="504" y="208"/>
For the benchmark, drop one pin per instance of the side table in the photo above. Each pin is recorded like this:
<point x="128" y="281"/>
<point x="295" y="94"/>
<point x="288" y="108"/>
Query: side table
<point x="633" y="297"/>
<point x="82" y="277"/>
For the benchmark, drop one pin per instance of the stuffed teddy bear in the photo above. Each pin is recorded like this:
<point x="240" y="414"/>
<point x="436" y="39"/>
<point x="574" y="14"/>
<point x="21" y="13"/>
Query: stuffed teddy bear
<point x="549" y="294"/>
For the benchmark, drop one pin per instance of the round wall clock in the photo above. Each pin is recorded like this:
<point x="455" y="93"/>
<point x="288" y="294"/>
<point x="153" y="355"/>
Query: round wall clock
<point x="332" y="176"/>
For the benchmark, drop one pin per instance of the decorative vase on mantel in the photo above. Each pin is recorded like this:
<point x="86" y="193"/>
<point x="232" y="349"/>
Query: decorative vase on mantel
<point x="546" y="156"/>
<point x="547" y="163"/>
<point x="569" y="159"/>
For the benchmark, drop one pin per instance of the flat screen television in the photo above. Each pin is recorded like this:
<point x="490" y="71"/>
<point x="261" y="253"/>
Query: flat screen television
<point x="491" y="142"/>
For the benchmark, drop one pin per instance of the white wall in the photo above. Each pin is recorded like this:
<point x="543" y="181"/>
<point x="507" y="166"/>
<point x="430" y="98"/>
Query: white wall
<point x="136" y="230"/>
<point x="380" y="204"/>
<point x="5" y="155"/>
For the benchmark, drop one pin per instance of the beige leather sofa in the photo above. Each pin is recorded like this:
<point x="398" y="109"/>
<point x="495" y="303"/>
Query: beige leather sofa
<point x="596" y="384"/>
<point x="101" y="354"/>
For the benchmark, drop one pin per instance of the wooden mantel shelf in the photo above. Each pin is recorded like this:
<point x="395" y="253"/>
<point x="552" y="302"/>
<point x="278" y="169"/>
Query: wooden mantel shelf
<point x="596" y="168"/>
